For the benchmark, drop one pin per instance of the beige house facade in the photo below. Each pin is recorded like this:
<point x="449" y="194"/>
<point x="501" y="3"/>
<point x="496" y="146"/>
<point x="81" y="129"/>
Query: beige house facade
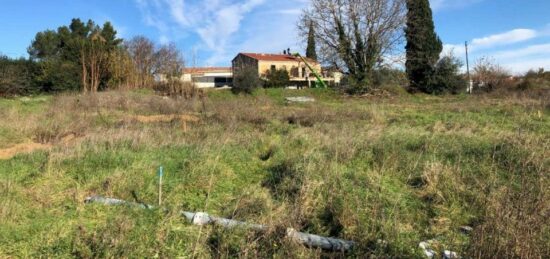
<point x="208" y="77"/>
<point x="299" y="72"/>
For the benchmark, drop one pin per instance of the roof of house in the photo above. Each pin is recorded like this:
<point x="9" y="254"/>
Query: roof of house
<point x="202" y="70"/>
<point x="275" y="57"/>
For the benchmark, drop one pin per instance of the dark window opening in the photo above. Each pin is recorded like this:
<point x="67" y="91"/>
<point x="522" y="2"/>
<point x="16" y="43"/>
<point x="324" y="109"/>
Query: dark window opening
<point x="220" y="80"/>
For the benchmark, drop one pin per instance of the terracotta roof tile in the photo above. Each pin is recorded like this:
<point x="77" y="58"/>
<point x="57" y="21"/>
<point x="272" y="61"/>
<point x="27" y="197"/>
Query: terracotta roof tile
<point x="200" y="70"/>
<point x="274" y="57"/>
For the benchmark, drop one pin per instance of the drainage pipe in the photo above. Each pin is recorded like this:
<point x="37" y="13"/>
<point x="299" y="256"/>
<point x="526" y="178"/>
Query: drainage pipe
<point x="201" y="218"/>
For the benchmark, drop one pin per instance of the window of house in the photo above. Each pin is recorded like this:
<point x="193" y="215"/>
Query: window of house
<point x="273" y="68"/>
<point x="304" y="72"/>
<point x="220" y="80"/>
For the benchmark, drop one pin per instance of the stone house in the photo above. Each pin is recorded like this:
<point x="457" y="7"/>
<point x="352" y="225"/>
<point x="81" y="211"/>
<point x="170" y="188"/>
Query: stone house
<point x="298" y="71"/>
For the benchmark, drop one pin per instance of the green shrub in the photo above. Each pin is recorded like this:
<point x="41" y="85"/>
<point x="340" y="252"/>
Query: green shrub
<point x="245" y="81"/>
<point x="57" y="75"/>
<point x="535" y="80"/>
<point x="277" y="78"/>
<point x="17" y="76"/>
<point x="389" y="76"/>
<point x="447" y="78"/>
<point x="351" y="85"/>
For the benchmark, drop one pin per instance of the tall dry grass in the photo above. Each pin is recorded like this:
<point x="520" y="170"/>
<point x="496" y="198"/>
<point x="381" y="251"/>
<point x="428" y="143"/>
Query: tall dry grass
<point x="385" y="174"/>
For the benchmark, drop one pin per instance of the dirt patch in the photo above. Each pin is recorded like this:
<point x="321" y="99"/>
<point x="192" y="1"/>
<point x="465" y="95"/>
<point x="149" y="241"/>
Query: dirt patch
<point x="23" y="148"/>
<point x="183" y="118"/>
<point x="166" y="118"/>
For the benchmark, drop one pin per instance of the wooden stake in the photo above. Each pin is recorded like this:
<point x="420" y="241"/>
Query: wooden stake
<point x="160" y="185"/>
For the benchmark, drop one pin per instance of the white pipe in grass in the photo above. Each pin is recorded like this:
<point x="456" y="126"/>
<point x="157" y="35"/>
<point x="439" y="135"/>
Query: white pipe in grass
<point x="201" y="218"/>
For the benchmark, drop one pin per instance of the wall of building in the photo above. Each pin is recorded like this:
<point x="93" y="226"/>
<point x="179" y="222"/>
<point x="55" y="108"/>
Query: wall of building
<point x="209" y="79"/>
<point x="241" y="62"/>
<point x="295" y="69"/>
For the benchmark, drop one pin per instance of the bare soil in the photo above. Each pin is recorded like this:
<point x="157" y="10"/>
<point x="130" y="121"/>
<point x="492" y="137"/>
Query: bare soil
<point x="22" y="148"/>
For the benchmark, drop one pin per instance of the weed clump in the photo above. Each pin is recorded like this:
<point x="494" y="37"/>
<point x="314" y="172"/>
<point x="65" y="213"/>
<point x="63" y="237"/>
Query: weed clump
<point x="284" y="180"/>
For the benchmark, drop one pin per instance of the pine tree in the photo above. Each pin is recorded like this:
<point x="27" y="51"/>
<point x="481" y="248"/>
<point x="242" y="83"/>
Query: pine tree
<point x="311" y="51"/>
<point x="423" y="45"/>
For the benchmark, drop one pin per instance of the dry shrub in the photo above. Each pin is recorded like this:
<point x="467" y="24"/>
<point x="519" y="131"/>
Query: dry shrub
<point x="437" y="180"/>
<point x="178" y="88"/>
<point x="517" y="218"/>
<point x="490" y="76"/>
<point x="230" y="112"/>
<point x="67" y="115"/>
<point x="516" y="224"/>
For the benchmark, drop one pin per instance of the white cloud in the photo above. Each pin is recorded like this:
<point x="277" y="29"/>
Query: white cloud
<point x="495" y="40"/>
<point x="177" y="11"/>
<point x="509" y="37"/>
<point x="220" y="28"/>
<point x="516" y="49"/>
<point x="225" y="22"/>
<point x="529" y="51"/>
<point x="294" y="11"/>
<point x="522" y="66"/>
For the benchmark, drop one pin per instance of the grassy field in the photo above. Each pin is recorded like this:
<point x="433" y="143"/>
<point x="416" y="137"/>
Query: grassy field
<point x="386" y="173"/>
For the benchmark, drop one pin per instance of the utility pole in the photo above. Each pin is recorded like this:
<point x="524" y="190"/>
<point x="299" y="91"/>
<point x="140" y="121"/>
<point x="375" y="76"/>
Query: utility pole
<point x="470" y="83"/>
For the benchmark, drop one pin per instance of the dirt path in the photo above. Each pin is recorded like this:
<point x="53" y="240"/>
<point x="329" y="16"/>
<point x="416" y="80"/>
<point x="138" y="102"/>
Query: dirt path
<point x="166" y="118"/>
<point x="183" y="118"/>
<point x="29" y="147"/>
<point x="22" y="148"/>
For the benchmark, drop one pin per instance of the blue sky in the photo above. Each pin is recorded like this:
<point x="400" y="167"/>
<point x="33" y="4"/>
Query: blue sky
<point x="516" y="33"/>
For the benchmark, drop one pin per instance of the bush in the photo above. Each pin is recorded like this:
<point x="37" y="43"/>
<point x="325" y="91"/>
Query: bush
<point x="277" y="78"/>
<point x="353" y="86"/>
<point x="446" y="78"/>
<point x="17" y="76"/>
<point x="535" y="80"/>
<point x="57" y="75"/>
<point x="245" y="81"/>
<point x="489" y="76"/>
<point x="389" y="76"/>
<point x="177" y="88"/>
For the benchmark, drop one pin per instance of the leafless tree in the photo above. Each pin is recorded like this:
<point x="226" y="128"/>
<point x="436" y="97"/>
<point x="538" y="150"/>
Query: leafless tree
<point x="356" y="35"/>
<point x="165" y="61"/>
<point x="142" y="52"/>
<point x="169" y="66"/>
<point x="168" y="61"/>
<point x="488" y="74"/>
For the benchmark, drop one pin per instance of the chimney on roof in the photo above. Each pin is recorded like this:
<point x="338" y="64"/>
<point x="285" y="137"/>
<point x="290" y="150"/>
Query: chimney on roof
<point x="284" y="52"/>
<point x="288" y="51"/>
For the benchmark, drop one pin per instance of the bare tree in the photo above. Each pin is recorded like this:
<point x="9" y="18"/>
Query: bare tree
<point x="489" y="75"/>
<point x="142" y="52"/>
<point x="169" y="66"/>
<point x="355" y="34"/>
<point x="150" y="62"/>
<point x="168" y="61"/>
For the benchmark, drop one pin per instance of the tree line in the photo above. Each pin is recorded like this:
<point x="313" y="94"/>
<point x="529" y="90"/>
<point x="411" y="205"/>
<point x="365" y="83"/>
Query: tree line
<point x="364" y="38"/>
<point x="84" y="56"/>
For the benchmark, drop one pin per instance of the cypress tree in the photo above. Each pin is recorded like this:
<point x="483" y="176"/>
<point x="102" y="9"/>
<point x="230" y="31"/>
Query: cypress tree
<point x="311" y="51"/>
<point x="423" y="45"/>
